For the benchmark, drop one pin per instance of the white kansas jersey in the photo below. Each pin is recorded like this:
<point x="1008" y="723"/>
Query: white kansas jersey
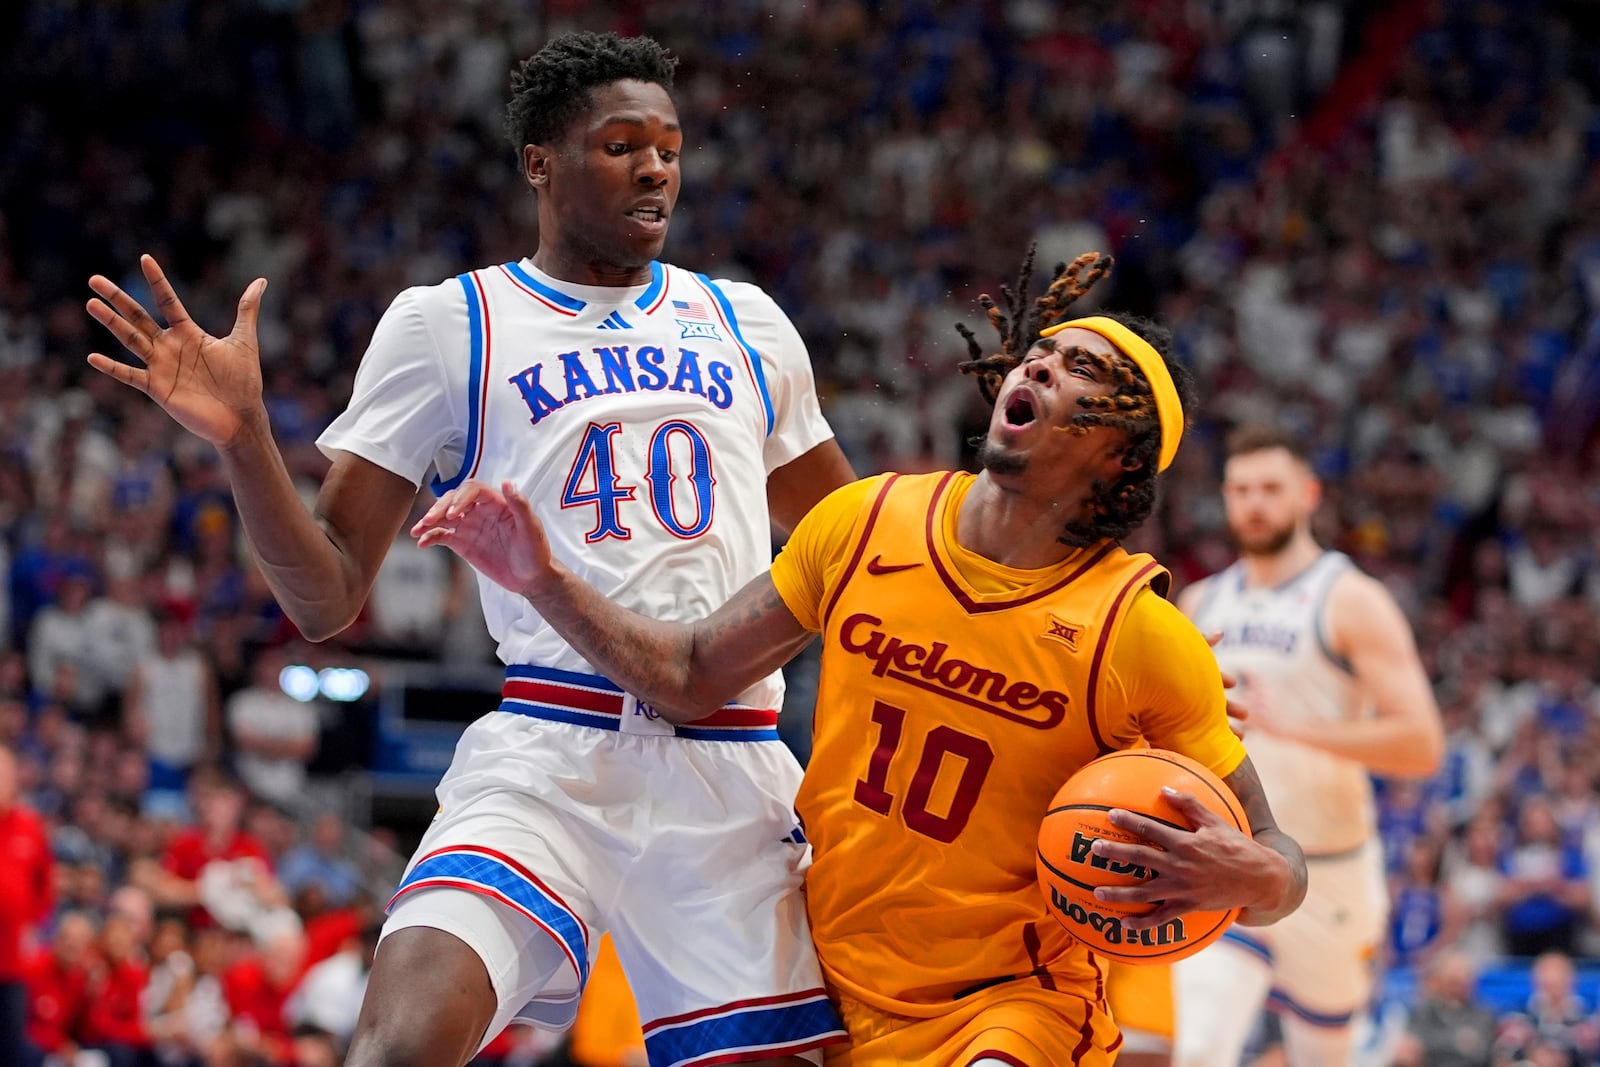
<point x="1274" y="641"/>
<point x="640" y="422"/>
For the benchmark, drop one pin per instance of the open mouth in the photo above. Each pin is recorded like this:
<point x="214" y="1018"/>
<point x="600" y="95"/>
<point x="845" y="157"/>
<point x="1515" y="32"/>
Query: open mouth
<point x="651" y="215"/>
<point x="1020" y="410"/>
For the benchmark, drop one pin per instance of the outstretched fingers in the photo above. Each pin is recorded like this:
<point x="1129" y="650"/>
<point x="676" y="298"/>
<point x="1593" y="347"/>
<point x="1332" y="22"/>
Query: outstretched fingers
<point x="137" y="377"/>
<point x="122" y="315"/>
<point x="166" y="298"/>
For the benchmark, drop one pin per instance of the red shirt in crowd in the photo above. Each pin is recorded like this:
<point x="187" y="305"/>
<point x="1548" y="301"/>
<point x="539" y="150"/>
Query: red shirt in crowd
<point x="114" y="1011"/>
<point x="327" y="933"/>
<point x="58" y="1000"/>
<point x="188" y="853"/>
<point x="252" y="997"/>
<point x="26" y="886"/>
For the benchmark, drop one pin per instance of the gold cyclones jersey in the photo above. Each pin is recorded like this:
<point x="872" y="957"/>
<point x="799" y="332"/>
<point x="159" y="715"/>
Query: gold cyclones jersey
<point x="957" y="695"/>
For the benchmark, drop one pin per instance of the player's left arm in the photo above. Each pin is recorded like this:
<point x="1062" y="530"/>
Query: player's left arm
<point x="1405" y="736"/>
<point x="794" y="488"/>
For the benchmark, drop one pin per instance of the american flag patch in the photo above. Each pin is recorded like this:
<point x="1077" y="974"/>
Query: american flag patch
<point x="690" y="309"/>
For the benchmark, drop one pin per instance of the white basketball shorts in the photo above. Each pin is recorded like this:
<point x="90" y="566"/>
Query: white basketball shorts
<point x="578" y="811"/>
<point x="1322" y="956"/>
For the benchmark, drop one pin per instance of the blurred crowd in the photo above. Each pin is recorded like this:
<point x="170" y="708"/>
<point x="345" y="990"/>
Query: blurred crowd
<point x="1377" y="222"/>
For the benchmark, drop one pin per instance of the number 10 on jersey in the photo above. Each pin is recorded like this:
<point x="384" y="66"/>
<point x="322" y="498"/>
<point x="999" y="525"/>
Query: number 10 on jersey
<point x="593" y="480"/>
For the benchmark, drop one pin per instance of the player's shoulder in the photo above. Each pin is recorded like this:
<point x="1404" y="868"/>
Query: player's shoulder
<point x="1352" y="591"/>
<point x="852" y="498"/>
<point x="442" y="299"/>
<point x="1154" y="614"/>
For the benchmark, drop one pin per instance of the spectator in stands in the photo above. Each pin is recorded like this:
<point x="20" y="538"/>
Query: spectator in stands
<point x="1546" y="892"/>
<point x="171" y="709"/>
<point x="321" y="861"/>
<point x="181" y="879"/>
<point x="257" y="991"/>
<point x="61" y="652"/>
<point x="26" y="900"/>
<point x="328" y="998"/>
<point x="121" y="632"/>
<point x="1448" y="1028"/>
<point x="115" y="1021"/>
<point x="58" y="980"/>
<point x="274" y="735"/>
<point x="1556" y="1018"/>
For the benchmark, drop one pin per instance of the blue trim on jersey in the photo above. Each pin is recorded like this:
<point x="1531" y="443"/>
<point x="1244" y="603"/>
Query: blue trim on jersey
<point x="490" y="873"/>
<point x="1333" y="1021"/>
<point x="755" y="359"/>
<point x="550" y="674"/>
<point x="712" y="733"/>
<point x="750" y="1029"/>
<point x="474" y="386"/>
<point x="571" y="716"/>
<point x="555" y="296"/>
<point x="658" y="278"/>
<point x="1320" y="612"/>
<point x="1249" y="944"/>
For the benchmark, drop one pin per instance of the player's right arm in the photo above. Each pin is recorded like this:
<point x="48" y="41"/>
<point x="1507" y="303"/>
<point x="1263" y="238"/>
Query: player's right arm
<point x="320" y="565"/>
<point x="685" y="670"/>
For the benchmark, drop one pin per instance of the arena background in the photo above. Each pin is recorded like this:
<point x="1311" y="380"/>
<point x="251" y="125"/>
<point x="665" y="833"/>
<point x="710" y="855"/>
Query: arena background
<point x="1376" y="223"/>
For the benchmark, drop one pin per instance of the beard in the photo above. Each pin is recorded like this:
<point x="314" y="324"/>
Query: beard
<point x="1267" y="543"/>
<point x="995" y="459"/>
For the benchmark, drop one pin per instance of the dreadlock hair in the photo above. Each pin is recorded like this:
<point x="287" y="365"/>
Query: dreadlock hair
<point x="1115" y="509"/>
<point x="555" y="85"/>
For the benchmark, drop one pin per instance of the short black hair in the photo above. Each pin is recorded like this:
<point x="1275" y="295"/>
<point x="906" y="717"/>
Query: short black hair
<point x="555" y="85"/>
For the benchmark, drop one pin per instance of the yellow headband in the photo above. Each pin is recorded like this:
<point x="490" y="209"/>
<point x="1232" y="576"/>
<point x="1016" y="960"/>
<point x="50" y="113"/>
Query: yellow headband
<point x="1169" y="409"/>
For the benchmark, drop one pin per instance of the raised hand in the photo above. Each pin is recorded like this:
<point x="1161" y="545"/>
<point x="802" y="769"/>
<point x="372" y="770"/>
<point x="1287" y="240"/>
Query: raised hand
<point x="1213" y="867"/>
<point x="210" y="385"/>
<point x="495" y="531"/>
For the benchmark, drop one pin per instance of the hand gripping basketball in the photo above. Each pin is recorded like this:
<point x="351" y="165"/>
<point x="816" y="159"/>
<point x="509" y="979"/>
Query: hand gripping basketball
<point x="1129" y="856"/>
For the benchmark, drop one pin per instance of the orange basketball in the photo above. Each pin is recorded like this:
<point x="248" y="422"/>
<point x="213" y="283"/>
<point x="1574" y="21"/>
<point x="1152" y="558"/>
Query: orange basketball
<point x="1069" y="872"/>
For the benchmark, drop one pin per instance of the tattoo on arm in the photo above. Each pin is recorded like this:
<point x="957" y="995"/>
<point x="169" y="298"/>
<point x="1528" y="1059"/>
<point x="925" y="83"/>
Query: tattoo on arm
<point x="1246" y="785"/>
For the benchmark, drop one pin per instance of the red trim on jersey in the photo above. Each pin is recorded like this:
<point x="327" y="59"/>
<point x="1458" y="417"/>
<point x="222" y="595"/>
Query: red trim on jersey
<point x="861" y="549"/>
<point x="666" y="283"/>
<point x="577" y="699"/>
<point x="1100" y="646"/>
<point x="737" y="1005"/>
<point x="483" y="392"/>
<point x="981" y="607"/>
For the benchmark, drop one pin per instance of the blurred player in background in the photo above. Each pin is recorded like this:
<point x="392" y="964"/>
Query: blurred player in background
<point x="653" y="414"/>
<point x="1328" y="669"/>
<point x="983" y="638"/>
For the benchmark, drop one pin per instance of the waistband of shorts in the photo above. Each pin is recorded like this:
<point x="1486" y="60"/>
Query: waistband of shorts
<point x="594" y="701"/>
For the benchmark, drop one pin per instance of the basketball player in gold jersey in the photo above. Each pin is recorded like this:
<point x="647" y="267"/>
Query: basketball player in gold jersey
<point x="983" y="638"/>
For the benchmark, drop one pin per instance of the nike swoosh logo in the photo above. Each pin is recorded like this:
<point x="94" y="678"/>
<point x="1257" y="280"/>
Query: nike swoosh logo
<point x="876" y="565"/>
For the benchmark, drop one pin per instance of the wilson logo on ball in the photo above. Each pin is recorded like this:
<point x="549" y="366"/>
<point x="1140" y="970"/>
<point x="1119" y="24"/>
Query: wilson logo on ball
<point x="1083" y="852"/>
<point x="1110" y="928"/>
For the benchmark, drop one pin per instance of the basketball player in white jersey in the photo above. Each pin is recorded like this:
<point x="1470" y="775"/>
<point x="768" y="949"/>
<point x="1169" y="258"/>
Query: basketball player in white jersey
<point x="651" y="413"/>
<point x="1328" y="670"/>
